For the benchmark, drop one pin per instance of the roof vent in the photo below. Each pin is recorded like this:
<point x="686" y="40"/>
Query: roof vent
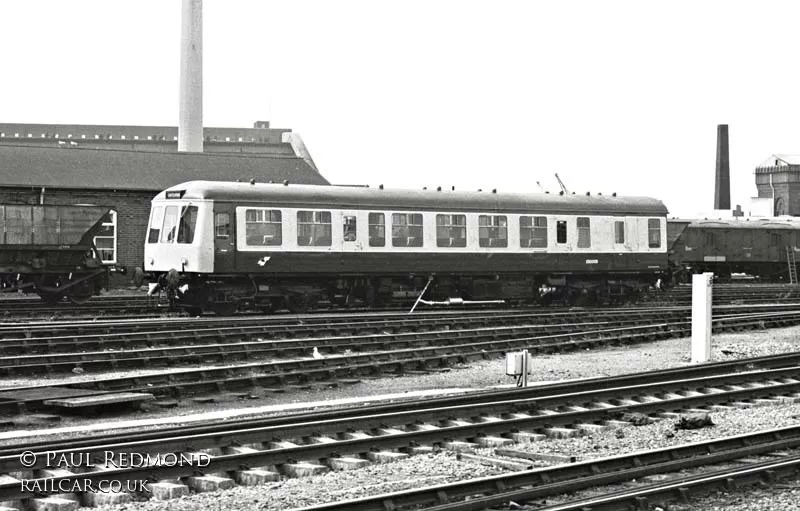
<point x="547" y="192"/>
<point x="494" y="190"/>
<point x="561" y="192"/>
<point x="424" y="187"/>
<point x="588" y="194"/>
<point x="285" y="182"/>
<point x="252" y="181"/>
<point x="480" y="189"/>
<point x="438" y="188"/>
<point x="380" y="187"/>
<point x="614" y="194"/>
<point x="599" y="193"/>
<point x="454" y="188"/>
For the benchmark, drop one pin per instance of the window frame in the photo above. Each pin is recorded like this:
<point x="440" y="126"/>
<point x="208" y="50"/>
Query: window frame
<point x="584" y="232"/>
<point x="562" y="227"/>
<point x="374" y="240"/>
<point x="315" y="224"/>
<point x="113" y="223"/>
<point x="449" y="225"/>
<point x="619" y="232"/>
<point x="417" y="229"/>
<point x="534" y="232"/>
<point x="217" y="225"/>
<point x="264" y="216"/>
<point x="157" y="218"/>
<point x="500" y="239"/>
<point x="651" y="230"/>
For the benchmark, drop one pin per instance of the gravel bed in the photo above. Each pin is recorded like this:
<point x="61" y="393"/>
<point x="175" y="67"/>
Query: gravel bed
<point x="606" y="361"/>
<point x="441" y="467"/>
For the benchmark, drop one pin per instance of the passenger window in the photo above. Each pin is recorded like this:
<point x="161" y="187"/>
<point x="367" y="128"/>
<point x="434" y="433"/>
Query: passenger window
<point x="188" y="224"/>
<point x="349" y="228"/>
<point x="619" y="232"/>
<point x="533" y="231"/>
<point x="222" y="225"/>
<point x="314" y="228"/>
<point x="263" y="227"/>
<point x="561" y="231"/>
<point x="492" y="231"/>
<point x="584" y="232"/>
<point x="170" y="223"/>
<point x="156" y="219"/>
<point x="377" y="230"/>
<point x="407" y="229"/>
<point x="451" y="230"/>
<point x="654" y="233"/>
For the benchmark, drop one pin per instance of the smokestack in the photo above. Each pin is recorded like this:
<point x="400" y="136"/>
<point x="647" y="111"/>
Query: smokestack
<point x="190" y="117"/>
<point x="722" y="183"/>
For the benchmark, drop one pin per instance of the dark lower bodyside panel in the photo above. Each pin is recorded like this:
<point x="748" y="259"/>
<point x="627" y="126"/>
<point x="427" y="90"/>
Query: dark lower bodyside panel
<point x="305" y="263"/>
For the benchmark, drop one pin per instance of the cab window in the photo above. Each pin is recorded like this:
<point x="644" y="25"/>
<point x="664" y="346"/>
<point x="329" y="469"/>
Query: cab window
<point x="170" y="223"/>
<point x="156" y="219"/>
<point x="187" y="225"/>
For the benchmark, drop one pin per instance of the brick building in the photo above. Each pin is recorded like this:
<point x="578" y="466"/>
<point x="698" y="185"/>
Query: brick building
<point x="778" y="178"/>
<point x="125" y="167"/>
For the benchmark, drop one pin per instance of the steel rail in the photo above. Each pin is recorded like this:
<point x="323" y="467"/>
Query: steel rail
<point x="535" y="392"/>
<point x="520" y="415"/>
<point x="522" y="486"/>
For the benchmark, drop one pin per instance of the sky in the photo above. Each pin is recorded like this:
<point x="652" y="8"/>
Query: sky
<point x="614" y="96"/>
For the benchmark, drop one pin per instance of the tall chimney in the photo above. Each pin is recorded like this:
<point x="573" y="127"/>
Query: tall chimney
<point x="190" y="117"/>
<point x="722" y="183"/>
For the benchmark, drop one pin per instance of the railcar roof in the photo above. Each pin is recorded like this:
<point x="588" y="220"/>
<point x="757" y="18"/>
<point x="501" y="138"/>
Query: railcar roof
<point x="362" y="197"/>
<point x="726" y="223"/>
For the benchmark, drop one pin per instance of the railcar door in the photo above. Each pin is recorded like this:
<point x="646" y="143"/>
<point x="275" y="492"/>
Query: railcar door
<point x="224" y="238"/>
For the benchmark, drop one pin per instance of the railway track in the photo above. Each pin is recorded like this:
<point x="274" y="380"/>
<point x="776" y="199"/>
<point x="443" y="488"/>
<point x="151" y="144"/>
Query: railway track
<point x="352" y="436"/>
<point x="529" y="485"/>
<point x="427" y="352"/>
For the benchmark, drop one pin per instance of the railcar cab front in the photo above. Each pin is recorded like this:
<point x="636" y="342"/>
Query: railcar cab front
<point x="175" y="235"/>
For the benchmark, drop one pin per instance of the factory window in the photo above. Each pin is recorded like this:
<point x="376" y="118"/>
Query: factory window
<point x="492" y="231"/>
<point x="263" y="227"/>
<point x="222" y="225"/>
<point x="156" y="219"/>
<point x="561" y="231"/>
<point x="533" y="231"/>
<point x="170" y="223"/>
<point x="188" y="224"/>
<point x="106" y="240"/>
<point x="654" y="233"/>
<point x="314" y="228"/>
<point x="619" y="232"/>
<point x="451" y="230"/>
<point x="377" y="230"/>
<point x="584" y="232"/>
<point x="406" y="229"/>
<point x="349" y="228"/>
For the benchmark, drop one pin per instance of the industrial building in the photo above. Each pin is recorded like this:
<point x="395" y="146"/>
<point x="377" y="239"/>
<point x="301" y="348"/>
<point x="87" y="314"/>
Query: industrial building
<point x="124" y="167"/>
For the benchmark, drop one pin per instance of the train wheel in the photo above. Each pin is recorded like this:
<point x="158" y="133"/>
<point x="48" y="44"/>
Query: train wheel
<point x="81" y="293"/>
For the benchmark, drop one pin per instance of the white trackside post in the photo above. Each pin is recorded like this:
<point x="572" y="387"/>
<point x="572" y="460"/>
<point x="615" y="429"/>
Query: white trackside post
<point x="525" y="361"/>
<point x="701" y="317"/>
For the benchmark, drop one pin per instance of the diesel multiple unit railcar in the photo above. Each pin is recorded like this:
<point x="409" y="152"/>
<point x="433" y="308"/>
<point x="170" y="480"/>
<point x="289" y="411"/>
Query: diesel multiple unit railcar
<point x="763" y="248"/>
<point x="223" y="246"/>
<point x="50" y="251"/>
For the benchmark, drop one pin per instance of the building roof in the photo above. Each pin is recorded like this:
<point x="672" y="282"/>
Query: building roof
<point x="780" y="160"/>
<point x="75" y="167"/>
<point x="344" y="197"/>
